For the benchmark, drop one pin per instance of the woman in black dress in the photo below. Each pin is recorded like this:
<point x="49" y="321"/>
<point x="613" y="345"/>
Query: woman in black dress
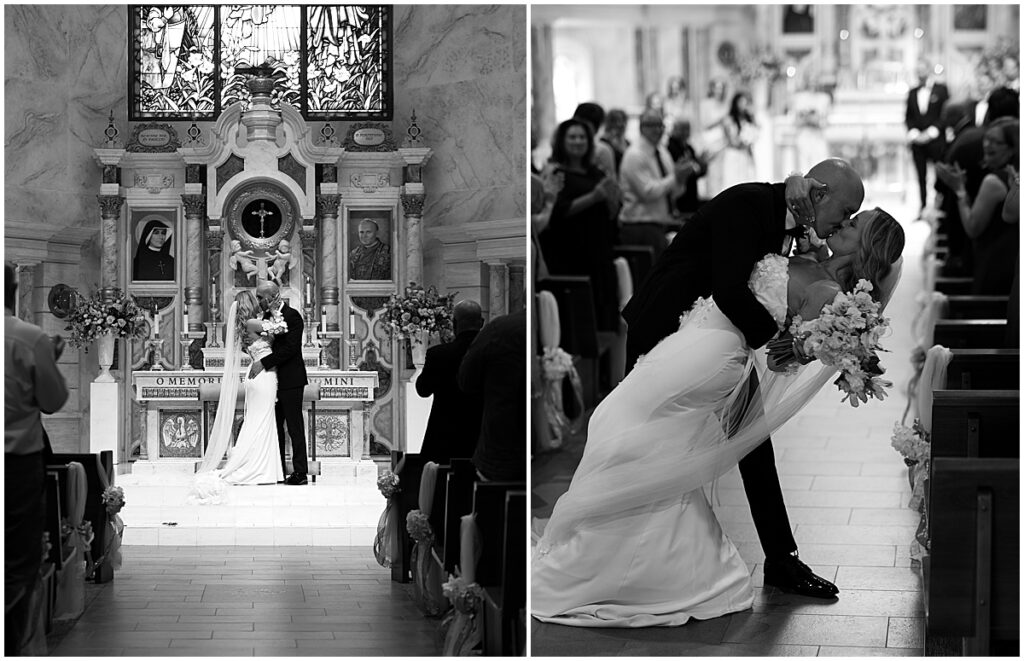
<point x="995" y="241"/>
<point x="579" y="237"/>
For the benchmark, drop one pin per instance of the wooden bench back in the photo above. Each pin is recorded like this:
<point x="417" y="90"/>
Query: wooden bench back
<point x="976" y="423"/>
<point x="971" y="333"/>
<point x="974" y="566"/>
<point x="976" y="307"/>
<point x="640" y="260"/>
<point x="576" y="314"/>
<point x="984" y="369"/>
<point x="95" y="511"/>
<point x="458" y="503"/>
<point x="954" y="286"/>
<point x="489" y="508"/>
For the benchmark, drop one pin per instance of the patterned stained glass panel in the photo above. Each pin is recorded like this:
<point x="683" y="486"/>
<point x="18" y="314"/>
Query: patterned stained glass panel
<point x="173" y="62"/>
<point x="185" y="59"/>
<point x="347" y="66"/>
<point x="260" y="35"/>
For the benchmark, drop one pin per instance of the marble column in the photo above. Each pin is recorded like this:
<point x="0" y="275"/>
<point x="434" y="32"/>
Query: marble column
<point x="195" y="211"/>
<point x="110" y="213"/>
<point x="214" y="247"/>
<point x="327" y="206"/>
<point x="412" y="205"/>
<point x="26" y="290"/>
<point x="498" y="289"/>
<point x="516" y="287"/>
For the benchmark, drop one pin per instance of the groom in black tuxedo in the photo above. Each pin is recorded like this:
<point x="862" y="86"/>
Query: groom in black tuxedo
<point x="714" y="254"/>
<point x="286" y="357"/>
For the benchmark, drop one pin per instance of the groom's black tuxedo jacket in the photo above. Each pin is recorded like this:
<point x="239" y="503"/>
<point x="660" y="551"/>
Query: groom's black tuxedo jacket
<point x="713" y="254"/>
<point x="286" y="353"/>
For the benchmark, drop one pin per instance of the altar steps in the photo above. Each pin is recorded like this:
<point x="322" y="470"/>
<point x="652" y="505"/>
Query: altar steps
<point x="341" y="509"/>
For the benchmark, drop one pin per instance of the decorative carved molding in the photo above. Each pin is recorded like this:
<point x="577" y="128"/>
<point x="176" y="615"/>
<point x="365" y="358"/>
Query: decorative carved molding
<point x="369" y="182"/>
<point x="195" y="204"/>
<point x="111" y="174"/>
<point x="330" y="173"/>
<point x="327" y="205"/>
<point x="193" y="295"/>
<point x="369" y="304"/>
<point x="154" y="183"/>
<point x="228" y="169"/>
<point x="193" y="173"/>
<point x="412" y="204"/>
<point x="110" y="205"/>
<point x="61" y="300"/>
<point x="213" y="237"/>
<point x="352" y="143"/>
<point x="153" y="138"/>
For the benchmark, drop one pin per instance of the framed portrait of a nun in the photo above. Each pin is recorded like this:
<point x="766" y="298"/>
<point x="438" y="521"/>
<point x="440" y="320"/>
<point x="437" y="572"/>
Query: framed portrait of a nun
<point x="152" y="253"/>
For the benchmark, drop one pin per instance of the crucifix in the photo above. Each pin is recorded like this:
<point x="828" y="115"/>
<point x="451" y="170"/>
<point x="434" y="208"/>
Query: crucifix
<point x="262" y="213"/>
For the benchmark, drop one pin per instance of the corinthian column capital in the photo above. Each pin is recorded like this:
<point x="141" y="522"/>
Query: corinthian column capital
<point x="110" y="205"/>
<point x="412" y="203"/>
<point x="195" y="204"/>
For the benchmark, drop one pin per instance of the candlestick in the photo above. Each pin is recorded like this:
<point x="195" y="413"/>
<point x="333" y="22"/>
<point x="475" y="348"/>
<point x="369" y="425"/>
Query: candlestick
<point x="323" y="320"/>
<point x="351" y="324"/>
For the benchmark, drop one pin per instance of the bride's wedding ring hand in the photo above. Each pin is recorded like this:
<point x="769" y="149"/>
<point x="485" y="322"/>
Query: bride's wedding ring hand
<point x="798" y="197"/>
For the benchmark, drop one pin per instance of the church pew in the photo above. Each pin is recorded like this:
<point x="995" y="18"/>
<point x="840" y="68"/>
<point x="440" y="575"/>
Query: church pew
<point x="437" y="513"/>
<point x="972" y="574"/>
<point x="639" y="258"/>
<point x="976" y="307"/>
<point x="970" y="333"/>
<point x="94" y="508"/>
<point x="500" y="509"/>
<point x="580" y="335"/>
<point x="976" y="423"/>
<point x="408" y="500"/>
<point x="54" y="503"/>
<point x="984" y="369"/>
<point x="458" y="502"/>
<point x="954" y="286"/>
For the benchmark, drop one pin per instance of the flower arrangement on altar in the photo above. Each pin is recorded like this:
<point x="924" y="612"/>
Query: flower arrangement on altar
<point x="418" y="525"/>
<point x="419" y="311"/>
<point x="845" y="335"/>
<point x="387" y="483"/>
<point x="1000" y="62"/>
<point x="94" y="317"/>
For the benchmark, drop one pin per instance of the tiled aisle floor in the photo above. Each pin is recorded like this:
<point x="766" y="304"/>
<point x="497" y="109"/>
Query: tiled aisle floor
<point x="251" y="601"/>
<point x="846" y="491"/>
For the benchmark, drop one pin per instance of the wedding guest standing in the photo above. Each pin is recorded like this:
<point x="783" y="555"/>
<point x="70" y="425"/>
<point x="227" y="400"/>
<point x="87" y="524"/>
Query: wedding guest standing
<point x="495" y="367"/>
<point x="741" y="132"/>
<point x="32" y="385"/>
<point x="580" y="233"/>
<point x="454" y="424"/>
<point x="615" y="135"/>
<point x="651" y="182"/>
<point x="680" y="149"/>
<point x="604" y="155"/>
<point x="995" y="241"/>
<point x="924" y="108"/>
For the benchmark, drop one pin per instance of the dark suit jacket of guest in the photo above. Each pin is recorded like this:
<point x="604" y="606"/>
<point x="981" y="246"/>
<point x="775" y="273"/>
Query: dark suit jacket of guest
<point x="454" y="424"/>
<point x="495" y="368"/>
<point x="286" y="353"/>
<point x="967" y="152"/>
<point x="932" y="116"/>
<point x="713" y="254"/>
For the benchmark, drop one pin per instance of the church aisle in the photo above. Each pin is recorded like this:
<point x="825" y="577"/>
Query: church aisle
<point x="250" y="601"/>
<point x="846" y="491"/>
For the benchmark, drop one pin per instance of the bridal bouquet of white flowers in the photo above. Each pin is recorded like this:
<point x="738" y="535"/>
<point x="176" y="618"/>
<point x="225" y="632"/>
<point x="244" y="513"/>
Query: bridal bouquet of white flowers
<point x="845" y="335"/>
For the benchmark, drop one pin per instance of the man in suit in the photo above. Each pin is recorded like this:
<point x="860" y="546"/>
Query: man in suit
<point x="454" y="424"/>
<point x="286" y="358"/>
<point x="714" y="254"/>
<point x="924" y="132"/>
<point x="495" y="367"/>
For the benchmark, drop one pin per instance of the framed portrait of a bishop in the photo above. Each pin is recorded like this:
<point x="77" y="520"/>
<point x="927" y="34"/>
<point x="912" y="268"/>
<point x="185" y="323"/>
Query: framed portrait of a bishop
<point x="370" y="251"/>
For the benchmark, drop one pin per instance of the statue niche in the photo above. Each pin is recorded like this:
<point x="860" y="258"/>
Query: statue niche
<point x="251" y="266"/>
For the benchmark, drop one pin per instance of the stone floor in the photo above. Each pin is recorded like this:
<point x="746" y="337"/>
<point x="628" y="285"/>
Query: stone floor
<point x="846" y="491"/>
<point x="250" y="601"/>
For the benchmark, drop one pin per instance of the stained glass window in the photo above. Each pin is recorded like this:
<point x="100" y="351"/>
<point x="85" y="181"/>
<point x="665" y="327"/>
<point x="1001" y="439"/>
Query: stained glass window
<point x="186" y="59"/>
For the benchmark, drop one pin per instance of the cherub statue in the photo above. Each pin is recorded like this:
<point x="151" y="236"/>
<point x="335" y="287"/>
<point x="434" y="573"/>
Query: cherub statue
<point x="244" y="258"/>
<point x="283" y="259"/>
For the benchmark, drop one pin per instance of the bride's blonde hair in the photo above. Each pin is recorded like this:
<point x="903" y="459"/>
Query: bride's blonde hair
<point x="248" y="308"/>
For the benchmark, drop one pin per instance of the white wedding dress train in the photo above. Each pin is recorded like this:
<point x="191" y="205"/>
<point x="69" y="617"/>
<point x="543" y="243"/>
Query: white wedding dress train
<point x="634" y="542"/>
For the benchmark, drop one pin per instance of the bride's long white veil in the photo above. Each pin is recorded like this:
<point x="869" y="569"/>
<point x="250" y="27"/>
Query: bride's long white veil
<point x="661" y="460"/>
<point x="220" y="433"/>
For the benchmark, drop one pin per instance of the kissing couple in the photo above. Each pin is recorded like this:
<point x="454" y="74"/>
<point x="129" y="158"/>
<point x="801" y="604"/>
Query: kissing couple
<point x="634" y="541"/>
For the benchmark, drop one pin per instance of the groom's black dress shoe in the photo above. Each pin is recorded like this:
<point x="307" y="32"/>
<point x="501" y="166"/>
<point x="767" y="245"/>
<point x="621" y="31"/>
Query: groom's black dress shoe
<point x="789" y="574"/>
<point x="295" y="478"/>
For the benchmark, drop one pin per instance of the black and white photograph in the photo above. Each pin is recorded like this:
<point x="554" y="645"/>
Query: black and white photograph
<point x="776" y="309"/>
<point x="266" y="330"/>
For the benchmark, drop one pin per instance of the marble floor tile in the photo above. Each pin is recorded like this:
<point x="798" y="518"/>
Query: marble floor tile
<point x="906" y="632"/>
<point x="801" y="629"/>
<point x="888" y="603"/>
<point x="880" y="578"/>
<point x="826" y="650"/>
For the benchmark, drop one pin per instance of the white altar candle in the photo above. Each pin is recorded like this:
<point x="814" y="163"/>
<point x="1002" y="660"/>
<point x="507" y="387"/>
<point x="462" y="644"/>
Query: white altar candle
<point x="185" y="326"/>
<point x="309" y="290"/>
<point x="152" y="327"/>
<point x="323" y="320"/>
<point x="351" y="324"/>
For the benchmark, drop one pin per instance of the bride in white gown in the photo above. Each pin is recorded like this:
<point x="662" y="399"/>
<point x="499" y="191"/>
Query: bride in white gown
<point x="255" y="457"/>
<point x="634" y="542"/>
